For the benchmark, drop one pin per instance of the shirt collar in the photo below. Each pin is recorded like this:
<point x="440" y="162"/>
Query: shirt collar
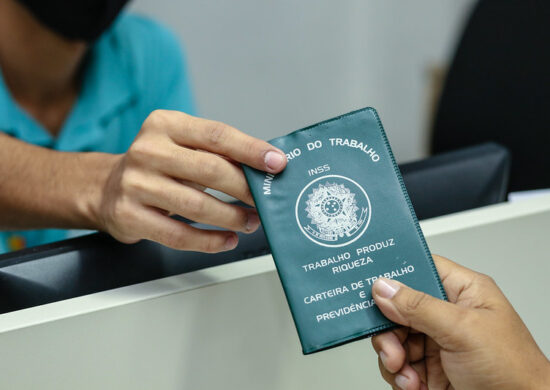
<point x="109" y="85"/>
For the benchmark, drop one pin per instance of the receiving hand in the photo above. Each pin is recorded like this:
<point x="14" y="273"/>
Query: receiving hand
<point x="474" y="341"/>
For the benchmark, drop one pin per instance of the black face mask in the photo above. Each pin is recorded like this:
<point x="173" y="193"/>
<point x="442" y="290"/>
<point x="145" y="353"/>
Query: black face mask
<point x="83" y="20"/>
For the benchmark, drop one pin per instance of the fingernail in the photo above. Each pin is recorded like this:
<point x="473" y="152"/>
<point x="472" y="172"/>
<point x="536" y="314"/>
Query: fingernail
<point x="253" y="222"/>
<point x="274" y="160"/>
<point x="385" y="288"/>
<point x="401" y="381"/>
<point x="384" y="358"/>
<point x="231" y="242"/>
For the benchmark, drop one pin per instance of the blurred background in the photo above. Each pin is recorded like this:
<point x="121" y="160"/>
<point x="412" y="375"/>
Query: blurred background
<point x="271" y="67"/>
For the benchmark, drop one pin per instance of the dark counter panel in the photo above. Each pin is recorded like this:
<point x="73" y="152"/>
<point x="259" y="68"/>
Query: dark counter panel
<point x="451" y="182"/>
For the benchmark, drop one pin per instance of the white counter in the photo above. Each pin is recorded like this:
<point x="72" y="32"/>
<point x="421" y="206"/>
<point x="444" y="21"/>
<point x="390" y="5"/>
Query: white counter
<point x="230" y="327"/>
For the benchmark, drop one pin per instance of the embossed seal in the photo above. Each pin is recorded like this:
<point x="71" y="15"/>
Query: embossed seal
<point x="333" y="211"/>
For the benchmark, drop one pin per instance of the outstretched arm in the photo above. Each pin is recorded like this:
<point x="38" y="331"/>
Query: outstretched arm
<point x="43" y="188"/>
<point x="132" y="195"/>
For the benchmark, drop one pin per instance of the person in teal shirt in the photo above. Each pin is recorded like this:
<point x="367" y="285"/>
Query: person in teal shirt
<point x="97" y="132"/>
<point x="134" y="68"/>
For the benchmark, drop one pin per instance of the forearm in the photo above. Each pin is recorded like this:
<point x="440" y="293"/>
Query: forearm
<point x="42" y="188"/>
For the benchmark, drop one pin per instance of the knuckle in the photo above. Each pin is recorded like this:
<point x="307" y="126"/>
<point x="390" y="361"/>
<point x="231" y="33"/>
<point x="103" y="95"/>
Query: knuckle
<point x="157" y="119"/>
<point x="254" y="146"/>
<point x="192" y="204"/>
<point x="486" y="279"/>
<point x="174" y="239"/>
<point x="216" y="133"/>
<point x="211" y="245"/>
<point x="142" y="151"/>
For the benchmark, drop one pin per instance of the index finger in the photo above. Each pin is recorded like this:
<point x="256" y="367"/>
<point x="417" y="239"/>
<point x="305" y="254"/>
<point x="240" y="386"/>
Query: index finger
<point x="217" y="137"/>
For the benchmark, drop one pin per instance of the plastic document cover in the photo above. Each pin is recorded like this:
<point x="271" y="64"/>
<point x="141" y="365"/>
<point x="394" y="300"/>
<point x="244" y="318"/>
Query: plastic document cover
<point x="336" y="219"/>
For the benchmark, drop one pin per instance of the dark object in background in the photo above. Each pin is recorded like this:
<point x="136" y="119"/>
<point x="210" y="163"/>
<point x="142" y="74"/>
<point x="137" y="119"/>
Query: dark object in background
<point x="66" y="269"/>
<point x="498" y="88"/>
<point x="460" y="180"/>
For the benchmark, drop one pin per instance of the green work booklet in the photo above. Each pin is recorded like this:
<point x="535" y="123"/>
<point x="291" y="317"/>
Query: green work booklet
<point x="336" y="219"/>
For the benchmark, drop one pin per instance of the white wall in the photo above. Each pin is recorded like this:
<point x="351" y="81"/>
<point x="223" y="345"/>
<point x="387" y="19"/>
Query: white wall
<point x="270" y="67"/>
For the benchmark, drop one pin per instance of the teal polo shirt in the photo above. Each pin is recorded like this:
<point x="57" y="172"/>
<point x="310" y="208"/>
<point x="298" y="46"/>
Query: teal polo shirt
<point x="135" y="67"/>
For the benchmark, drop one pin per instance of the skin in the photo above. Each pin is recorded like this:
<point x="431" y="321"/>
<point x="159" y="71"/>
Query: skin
<point x="474" y="341"/>
<point x="131" y="195"/>
<point x="40" y="68"/>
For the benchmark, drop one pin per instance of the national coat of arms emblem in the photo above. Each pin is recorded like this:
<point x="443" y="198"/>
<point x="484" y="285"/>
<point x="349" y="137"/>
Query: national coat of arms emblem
<point x="333" y="211"/>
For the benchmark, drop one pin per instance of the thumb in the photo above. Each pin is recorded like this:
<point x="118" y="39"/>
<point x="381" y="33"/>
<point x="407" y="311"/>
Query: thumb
<point x="417" y="310"/>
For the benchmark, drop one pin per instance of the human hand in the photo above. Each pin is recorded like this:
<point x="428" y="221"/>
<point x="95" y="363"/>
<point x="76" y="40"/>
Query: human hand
<point x="173" y="158"/>
<point x="474" y="341"/>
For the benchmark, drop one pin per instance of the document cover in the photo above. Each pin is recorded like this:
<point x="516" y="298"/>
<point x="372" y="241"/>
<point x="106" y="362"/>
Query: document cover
<point x="336" y="219"/>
